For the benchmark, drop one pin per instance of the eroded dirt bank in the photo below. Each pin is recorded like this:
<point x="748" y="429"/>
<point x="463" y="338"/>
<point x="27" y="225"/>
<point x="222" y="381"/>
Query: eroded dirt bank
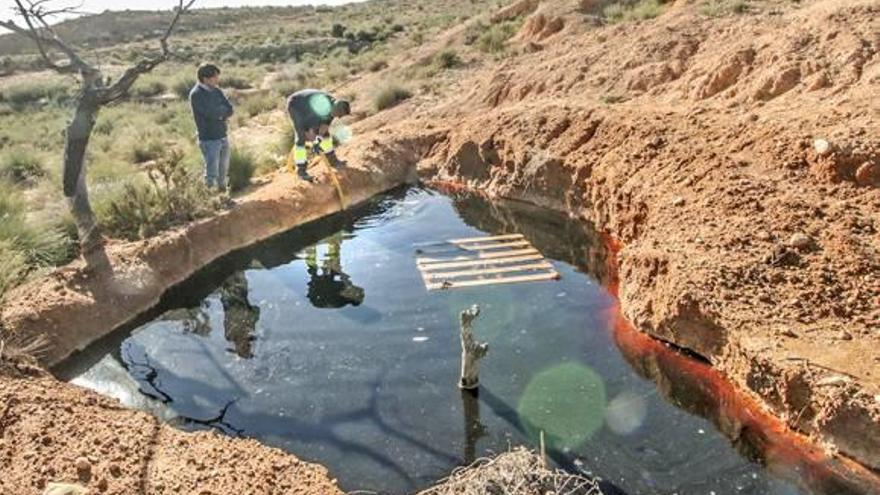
<point x="52" y="432"/>
<point x="701" y="145"/>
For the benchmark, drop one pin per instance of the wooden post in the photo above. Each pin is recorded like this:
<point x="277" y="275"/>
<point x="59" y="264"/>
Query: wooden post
<point x="471" y="350"/>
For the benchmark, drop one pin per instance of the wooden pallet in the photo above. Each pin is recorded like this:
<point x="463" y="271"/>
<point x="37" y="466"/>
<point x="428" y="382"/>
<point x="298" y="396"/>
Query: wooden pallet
<point x="476" y="261"/>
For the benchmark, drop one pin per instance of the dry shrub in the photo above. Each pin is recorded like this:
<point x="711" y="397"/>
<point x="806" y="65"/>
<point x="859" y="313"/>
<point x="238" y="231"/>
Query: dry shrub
<point x="518" y="472"/>
<point x="173" y="195"/>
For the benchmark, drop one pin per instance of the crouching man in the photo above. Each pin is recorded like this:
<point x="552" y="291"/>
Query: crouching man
<point x="312" y="111"/>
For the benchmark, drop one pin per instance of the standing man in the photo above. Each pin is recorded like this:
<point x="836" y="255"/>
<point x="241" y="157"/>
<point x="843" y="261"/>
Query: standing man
<point x="211" y="111"/>
<point x="312" y="111"/>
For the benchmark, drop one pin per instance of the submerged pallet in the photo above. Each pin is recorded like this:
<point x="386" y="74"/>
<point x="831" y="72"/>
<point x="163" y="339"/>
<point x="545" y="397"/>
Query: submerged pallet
<point x="475" y="261"/>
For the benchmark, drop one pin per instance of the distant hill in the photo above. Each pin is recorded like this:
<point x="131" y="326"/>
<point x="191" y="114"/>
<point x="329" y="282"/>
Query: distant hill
<point x="119" y="27"/>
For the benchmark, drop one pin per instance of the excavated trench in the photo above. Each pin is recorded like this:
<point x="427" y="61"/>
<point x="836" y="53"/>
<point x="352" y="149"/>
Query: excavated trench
<point x="323" y="341"/>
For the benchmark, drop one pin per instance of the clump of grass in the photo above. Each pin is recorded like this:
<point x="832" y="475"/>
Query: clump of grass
<point x="242" y="165"/>
<point x="390" y="96"/>
<point x="494" y="38"/>
<point x="21" y="166"/>
<point x="182" y="86"/>
<point x="21" y="95"/>
<point x="172" y="195"/>
<point x="26" y="246"/>
<point x="145" y="150"/>
<point x="147" y="88"/>
<point x="632" y="10"/>
<point x="254" y="105"/>
<point x="447" y="59"/>
<point x="720" y="8"/>
<point x="235" y="82"/>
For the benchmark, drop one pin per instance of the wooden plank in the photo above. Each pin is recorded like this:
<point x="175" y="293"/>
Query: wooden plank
<point x="469" y="240"/>
<point x="429" y="277"/>
<point x="479" y="255"/>
<point x="505" y="237"/>
<point x="553" y="275"/>
<point x="479" y="247"/>
<point x="481" y="262"/>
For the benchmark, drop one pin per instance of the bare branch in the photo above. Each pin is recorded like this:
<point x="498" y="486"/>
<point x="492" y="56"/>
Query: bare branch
<point x="128" y="78"/>
<point x="36" y="13"/>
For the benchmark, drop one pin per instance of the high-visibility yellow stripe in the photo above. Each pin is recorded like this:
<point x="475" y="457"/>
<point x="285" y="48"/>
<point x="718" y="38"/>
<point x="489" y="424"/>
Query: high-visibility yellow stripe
<point x="326" y="145"/>
<point x="300" y="155"/>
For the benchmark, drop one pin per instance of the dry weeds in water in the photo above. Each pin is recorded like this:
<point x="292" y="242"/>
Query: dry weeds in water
<point x="518" y="472"/>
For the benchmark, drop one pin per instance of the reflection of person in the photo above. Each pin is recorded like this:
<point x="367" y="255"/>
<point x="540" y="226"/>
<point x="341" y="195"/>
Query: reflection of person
<point x="239" y="316"/>
<point x="312" y="111"/>
<point x="329" y="286"/>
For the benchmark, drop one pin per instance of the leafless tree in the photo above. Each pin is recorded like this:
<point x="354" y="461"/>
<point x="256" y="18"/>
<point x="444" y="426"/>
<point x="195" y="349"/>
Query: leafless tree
<point x="95" y="92"/>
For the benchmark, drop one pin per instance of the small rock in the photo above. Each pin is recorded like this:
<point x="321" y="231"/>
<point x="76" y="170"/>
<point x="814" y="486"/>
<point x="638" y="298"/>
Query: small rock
<point x="64" y="489"/>
<point x="83" y="465"/>
<point x="115" y="470"/>
<point x="821" y="146"/>
<point x="678" y="201"/>
<point x="868" y="173"/>
<point x="800" y="241"/>
<point x="844" y="335"/>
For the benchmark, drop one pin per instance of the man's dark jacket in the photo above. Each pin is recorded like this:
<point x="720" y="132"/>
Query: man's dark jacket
<point x="211" y="110"/>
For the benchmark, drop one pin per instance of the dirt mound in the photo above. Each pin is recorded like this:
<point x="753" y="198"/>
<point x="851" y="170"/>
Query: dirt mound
<point x="698" y="142"/>
<point x="50" y="434"/>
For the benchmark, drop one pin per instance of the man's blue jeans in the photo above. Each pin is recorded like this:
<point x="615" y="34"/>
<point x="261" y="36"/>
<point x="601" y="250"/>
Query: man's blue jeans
<point x="216" y="154"/>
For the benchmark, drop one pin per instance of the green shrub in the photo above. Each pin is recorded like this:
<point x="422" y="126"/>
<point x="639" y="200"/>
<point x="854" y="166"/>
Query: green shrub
<point x="719" y="8"/>
<point x="147" y="88"/>
<point x="630" y="10"/>
<point x="21" y="95"/>
<point x="182" y="86"/>
<point x="235" y="82"/>
<point x="241" y="168"/>
<point x="447" y="59"/>
<point x="494" y="38"/>
<point x="390" y="96"/>
<point x="174" y="194"/>
<point x="104" y="127"/>
<point x="145" y="150"/>
<point x="20" y="166"/>
<point x="13" y="267"/>
<point x="254" y="105"/>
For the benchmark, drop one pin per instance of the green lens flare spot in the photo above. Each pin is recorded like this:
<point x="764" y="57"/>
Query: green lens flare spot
<point x="321" y="105"/>
<point x="566" y="402"/>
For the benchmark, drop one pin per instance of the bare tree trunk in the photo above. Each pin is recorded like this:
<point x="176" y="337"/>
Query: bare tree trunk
<point x="471" y="350"/>
<point x="75" y="187"/>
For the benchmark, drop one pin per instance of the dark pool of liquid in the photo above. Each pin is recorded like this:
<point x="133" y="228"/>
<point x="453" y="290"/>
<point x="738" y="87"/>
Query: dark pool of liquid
<point x="324" y="342"/>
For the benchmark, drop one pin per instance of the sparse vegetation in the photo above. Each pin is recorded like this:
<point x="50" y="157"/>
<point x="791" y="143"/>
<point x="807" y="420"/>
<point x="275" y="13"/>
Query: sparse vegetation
<point x="20" y="165"/>
<point x="494" y="38"/>
<point x="172" y="194"/>
<point x="42" y="92"/>
<point x="242" y="165"/>
<point x="633" y="10"/>
<point x="719" y="8"/>
<point x="390" y="96"/>
<point x="447" y="59"/>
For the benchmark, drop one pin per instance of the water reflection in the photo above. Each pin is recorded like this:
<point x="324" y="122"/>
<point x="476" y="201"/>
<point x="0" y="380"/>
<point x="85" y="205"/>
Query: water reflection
<point x="329" y="286"/>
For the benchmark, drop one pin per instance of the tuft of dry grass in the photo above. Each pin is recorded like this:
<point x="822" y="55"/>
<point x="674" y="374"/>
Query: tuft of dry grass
<point x="518" y="472"/>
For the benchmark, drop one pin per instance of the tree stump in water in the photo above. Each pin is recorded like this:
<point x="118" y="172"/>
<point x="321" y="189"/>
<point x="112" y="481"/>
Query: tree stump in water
<point x="471" y="350"/>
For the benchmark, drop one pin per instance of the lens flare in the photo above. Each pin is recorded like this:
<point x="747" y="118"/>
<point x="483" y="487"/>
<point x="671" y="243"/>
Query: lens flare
<point x="341" y="133"/>
<point x="566" y="402"/>
<point x="626" y="413"/>
<point x="321" y="104"/>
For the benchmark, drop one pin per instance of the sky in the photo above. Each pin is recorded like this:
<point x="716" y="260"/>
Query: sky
<point x="98" y="6"/>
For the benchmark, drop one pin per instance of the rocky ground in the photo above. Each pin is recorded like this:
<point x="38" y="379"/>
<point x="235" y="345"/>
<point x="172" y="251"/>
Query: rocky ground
<point x="735" y="159"/>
